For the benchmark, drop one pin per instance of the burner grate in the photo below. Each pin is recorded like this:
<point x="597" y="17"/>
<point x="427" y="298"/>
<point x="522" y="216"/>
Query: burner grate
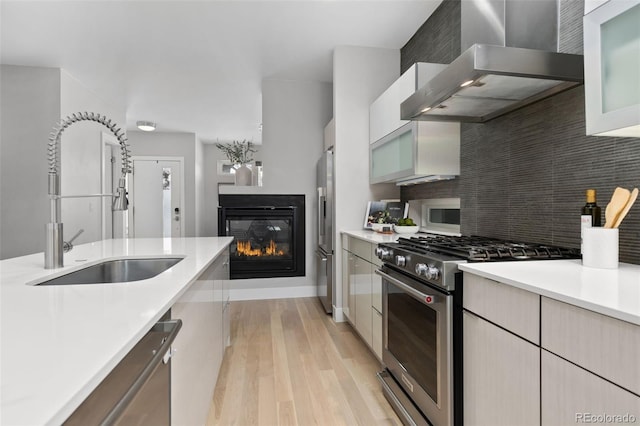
<point x="482" y="249"/>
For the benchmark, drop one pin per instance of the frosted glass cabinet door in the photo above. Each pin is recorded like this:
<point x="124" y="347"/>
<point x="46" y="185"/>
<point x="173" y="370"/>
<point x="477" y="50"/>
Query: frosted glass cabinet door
<point x="393" y="157"/>
<point x="612" y="67"/>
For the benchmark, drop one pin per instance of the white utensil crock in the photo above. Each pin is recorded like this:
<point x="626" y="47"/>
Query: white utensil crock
<point x="600" y="247"/>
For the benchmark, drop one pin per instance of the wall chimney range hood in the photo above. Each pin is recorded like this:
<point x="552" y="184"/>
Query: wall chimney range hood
<point x="509" y="60"/>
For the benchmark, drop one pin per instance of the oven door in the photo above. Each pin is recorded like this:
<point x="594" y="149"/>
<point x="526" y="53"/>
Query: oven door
<point x="418" y="345"/>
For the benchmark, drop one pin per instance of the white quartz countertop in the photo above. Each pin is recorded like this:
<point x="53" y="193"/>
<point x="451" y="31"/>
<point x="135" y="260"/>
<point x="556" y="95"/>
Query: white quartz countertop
<point x="612" y="292"/>
<point x="59" y="342"/>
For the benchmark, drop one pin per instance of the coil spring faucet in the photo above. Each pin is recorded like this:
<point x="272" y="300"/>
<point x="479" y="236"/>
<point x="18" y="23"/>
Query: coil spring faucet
<point x="53" y="250"/>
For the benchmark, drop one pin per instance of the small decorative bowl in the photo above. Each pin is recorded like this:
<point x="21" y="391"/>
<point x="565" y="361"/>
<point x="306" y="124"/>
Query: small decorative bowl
<point x="406" y="229"/>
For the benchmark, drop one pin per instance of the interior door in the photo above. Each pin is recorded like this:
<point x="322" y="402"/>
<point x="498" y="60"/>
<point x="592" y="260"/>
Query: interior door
<point x="156" y="198"/>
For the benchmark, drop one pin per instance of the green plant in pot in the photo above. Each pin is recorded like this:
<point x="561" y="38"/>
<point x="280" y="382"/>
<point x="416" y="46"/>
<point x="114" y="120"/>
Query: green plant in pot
<point x="239" y="154"/>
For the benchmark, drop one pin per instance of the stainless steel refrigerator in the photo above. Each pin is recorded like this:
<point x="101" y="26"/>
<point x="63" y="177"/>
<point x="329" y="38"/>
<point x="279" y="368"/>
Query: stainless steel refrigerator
<point x="324" y="252"/>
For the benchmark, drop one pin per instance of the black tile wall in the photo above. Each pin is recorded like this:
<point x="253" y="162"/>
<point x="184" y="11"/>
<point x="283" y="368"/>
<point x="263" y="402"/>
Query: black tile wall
<point x="571" y="13"/>
<point x="438" y="39"/>
<point x="439" y="189"/>
<point x="523" y="175"/>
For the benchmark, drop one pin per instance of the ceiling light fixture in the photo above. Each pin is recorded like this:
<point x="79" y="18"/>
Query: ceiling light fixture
<point x="426" y="109"/>
<point x="467" y="83"/>
<point x="146" y="126"/>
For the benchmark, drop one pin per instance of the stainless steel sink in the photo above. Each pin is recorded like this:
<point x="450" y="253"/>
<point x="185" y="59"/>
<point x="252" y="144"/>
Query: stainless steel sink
<point x="116" y="271"/>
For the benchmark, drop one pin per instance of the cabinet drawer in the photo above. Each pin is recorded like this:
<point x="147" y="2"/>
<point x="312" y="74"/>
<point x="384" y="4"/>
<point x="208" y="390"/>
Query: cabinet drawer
<point x="361" y="248"/>
<point x="572" y="395"/>
<point x="501" y="376"/>
<point x="513" y="309"/>
<point x="606" y="346"/>
<point x="376" y="291"/>
<point x="374" y="259"/>
<point x="345" y="241"/>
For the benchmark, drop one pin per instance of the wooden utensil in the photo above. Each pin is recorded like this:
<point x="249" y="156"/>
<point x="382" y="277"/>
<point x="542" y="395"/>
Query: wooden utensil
<point x="618" y="201"/>
<point x="627" y="207"/>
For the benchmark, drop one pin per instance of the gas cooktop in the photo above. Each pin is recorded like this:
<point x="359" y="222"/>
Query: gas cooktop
<point x="434" y="258"/>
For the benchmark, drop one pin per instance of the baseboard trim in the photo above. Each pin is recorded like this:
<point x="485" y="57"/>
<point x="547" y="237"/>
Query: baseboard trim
<point x="338" y="314"/>
<point x="272" y="293"/>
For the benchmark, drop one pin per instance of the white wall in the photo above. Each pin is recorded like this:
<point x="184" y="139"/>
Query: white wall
<point x="81" y="159"/>
<point x="360" y="75"/>
<point x="212" y="182"/>
<point x="199" y="180"/>
<point x="34" y="99"/>
<point x="294" y="116"/>
<point x="172" y="144"/>
<point x="29" y="106"/>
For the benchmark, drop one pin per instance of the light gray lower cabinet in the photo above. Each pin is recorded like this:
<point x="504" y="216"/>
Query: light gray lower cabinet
<point x="376" y="338"/>
<point x="509" y="307"/>
<point x="224" y="277"/>
<point x="362" y="280"/>
<point x="348" y="280"/>
<point x="363" y="307"/>
<point x="501" y="354"/>
<point x="573" y="395"/>
<point x="199" y="347"/>
<point x="376" y="313"/>
<point x="501" y="376"/>
<point x="533" y="360"/>
<point x="590" y="367"/>
<point x="606" y="346"/>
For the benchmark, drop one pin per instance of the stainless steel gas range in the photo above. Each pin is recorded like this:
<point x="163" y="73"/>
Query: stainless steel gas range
<point x="422" y="311"/>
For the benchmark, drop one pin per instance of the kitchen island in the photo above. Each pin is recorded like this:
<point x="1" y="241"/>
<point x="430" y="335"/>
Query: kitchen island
<point x="59" y="342"/>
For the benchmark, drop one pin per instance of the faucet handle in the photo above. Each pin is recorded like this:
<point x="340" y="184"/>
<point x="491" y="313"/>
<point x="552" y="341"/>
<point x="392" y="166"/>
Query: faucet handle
<point x="67" y="246"/>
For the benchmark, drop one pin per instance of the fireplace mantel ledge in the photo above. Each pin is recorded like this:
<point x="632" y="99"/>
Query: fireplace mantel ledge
<point x="232" y="189"/>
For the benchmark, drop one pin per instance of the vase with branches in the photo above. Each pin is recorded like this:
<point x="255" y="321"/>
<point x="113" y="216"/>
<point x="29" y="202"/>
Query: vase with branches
<point x="238" y="152"/>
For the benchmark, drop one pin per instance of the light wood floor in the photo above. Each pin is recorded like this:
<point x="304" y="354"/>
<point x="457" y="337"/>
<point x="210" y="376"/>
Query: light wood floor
<point x="290" y="364"/>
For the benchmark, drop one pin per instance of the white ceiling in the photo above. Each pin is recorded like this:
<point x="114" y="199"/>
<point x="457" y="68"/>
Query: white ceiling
<point x="197" y="66"/>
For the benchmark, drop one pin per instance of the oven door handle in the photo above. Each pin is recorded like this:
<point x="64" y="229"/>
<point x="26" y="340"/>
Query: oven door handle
<point x="419" y="295"/>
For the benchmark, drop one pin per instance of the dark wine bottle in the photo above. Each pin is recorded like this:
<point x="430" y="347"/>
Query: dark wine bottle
<point x="591" y="209"/>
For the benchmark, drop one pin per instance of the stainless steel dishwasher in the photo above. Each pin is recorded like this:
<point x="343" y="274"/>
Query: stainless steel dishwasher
<point x="138" y="389"/>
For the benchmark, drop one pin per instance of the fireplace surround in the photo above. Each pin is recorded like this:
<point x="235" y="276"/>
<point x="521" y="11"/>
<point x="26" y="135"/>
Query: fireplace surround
<point x="268" y="231"/>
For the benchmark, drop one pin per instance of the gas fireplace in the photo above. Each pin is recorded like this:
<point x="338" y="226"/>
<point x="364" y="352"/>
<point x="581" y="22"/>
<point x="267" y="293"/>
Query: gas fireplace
<point x="268" y="233"/>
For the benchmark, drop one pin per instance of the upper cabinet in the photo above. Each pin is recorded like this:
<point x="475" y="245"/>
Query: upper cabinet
<point x="384" y="112"/>
<point x="612" y="66"/>
<point x="407" y="152"/>
<point x="417" y="152"/>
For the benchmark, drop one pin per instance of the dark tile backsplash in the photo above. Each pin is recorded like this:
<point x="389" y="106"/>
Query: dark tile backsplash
<point x="523" y="175"/>
<point x="438" y="38"/>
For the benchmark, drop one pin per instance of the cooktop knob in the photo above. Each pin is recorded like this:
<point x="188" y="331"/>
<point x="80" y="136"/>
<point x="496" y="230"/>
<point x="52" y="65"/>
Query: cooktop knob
<point x="378" y="252"/>
<point x="421" y="268"/>
<point x="432" y="273"/>
<point x="385" y="254"/>
<point x="401" y="260"/>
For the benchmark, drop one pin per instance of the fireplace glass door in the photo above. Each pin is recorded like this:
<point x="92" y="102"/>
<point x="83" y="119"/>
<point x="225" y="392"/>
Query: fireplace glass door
<point x="263" y="242"/>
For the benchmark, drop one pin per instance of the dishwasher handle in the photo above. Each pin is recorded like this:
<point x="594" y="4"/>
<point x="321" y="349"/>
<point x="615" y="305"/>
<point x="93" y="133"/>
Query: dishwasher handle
<point x="174" y="326"/>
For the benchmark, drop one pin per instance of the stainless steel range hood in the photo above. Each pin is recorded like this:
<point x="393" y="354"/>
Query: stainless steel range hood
<point x="518" y="65"/>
